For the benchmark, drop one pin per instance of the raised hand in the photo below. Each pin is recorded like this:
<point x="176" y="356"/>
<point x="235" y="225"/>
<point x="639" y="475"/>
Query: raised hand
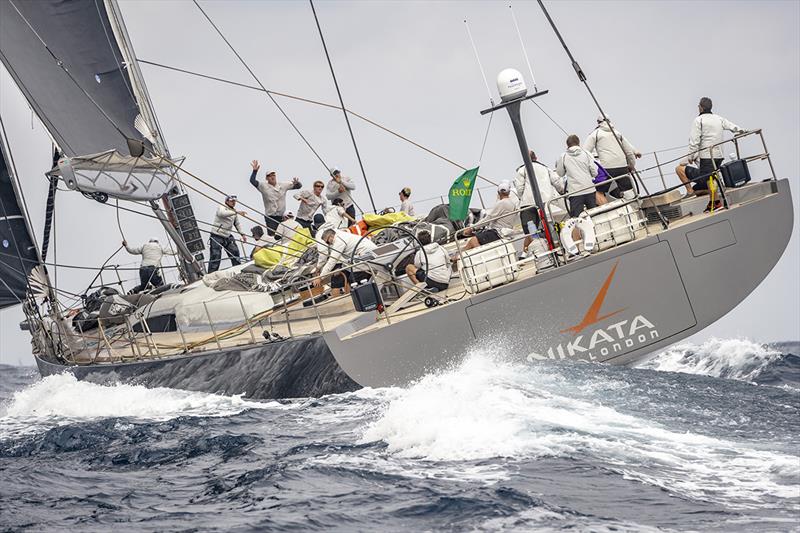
<point x="255" y="165"/>
<point x="242" y="213"/>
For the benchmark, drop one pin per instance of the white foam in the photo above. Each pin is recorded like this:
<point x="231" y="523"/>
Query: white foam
<point x="488" y="408"/>
<point x="739" y="359"/>
<point x="62" y="399"/>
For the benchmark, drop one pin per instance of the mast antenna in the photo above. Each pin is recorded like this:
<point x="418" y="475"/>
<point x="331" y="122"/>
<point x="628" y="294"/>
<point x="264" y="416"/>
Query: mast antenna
<point x="522" y="45"/>
<point x="478" y="59"/>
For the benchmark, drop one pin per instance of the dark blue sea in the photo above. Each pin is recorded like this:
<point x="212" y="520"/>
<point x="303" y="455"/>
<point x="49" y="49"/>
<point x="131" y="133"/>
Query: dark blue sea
<point x="700" y="438"/>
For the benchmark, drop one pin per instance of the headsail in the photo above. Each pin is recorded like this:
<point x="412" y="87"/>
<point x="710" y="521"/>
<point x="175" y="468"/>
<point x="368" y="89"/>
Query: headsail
<point x="18" y="253"/>
<point x="88" y="106"/>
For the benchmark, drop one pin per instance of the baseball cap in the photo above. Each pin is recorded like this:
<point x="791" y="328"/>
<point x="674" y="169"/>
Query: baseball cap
<point x="271" y="172"/>
<point x="504" y="186"/>
<point x="230" y="197"/>
<point x="335" y="170"/>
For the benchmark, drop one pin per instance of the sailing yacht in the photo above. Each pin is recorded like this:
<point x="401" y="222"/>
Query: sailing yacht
<point x="659" y="269"/>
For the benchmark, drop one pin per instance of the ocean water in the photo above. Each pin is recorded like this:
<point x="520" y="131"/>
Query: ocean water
<point x="700" y="438"/>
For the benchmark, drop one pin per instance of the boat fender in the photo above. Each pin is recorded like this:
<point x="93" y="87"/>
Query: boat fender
<point x="585" y="227"/>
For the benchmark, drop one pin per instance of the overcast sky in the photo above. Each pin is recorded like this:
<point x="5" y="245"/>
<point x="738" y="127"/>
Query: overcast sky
<point x="410" y="66"/>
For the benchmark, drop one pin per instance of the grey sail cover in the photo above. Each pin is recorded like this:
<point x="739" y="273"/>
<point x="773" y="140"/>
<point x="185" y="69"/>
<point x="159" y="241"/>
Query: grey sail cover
<point x="18" y="254"/>
<point x="79" y="34"/>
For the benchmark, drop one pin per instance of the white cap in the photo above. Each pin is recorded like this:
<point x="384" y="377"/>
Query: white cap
<point x="335" y="170"/>
<point x="504" y="186"/>
<point x="601" y="119"/>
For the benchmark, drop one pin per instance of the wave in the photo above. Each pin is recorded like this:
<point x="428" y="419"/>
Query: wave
<point x="488" y="408"/>
<point x="738" y="359"/>
<point x="62" y="399"/>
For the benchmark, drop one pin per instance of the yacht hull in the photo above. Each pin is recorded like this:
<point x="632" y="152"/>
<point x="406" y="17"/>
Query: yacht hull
<point x="614" y="307"/>
<point x="301" y="367"/>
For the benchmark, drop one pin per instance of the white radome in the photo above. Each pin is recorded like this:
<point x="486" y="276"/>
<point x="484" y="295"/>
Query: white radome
<point x="511" y="85"/>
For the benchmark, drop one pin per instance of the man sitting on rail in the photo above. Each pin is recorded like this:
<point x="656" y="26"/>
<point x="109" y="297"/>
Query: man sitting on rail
<point x="500" y="218"/>
<point x="706" y="132"/>
<point x="437" y="275"/>
<point x="151" y="253"/>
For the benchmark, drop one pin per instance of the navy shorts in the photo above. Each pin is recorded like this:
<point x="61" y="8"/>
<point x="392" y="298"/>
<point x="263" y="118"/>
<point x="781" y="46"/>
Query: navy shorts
<point x="705" y="169"/>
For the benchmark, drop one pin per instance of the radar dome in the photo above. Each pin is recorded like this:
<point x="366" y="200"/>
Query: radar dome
<point x="511" y="85"/>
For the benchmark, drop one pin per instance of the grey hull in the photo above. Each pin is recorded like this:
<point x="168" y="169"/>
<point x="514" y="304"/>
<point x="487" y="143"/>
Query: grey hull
<point x="293" y="368"/>
<point x="616" y="307"/>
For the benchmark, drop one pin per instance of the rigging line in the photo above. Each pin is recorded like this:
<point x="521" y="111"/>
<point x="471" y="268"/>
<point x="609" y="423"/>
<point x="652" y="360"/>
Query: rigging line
<point x="82" y="267"/>
<point x="486" y="137"/>
<point x="522" y="44"/>
<point x="119" y="225"/>
<point x="323" y="104"/>
<point x="480" y="66"/>
<point x="258" y="81"/>
<point x="548" y="116"/>
<point x="67" y="72"/>
<point x="344" y="109"/>
<point x="582" y="78"/>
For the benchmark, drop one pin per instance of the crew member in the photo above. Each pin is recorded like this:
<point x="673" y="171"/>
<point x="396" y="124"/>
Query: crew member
<point x="151" y="253"/>
<point x="342" y="187"/>
<point x="336" y="216"/>
<point x="225" y="220"/>
<point x="706" y="132"/>
<point x="579" y="168"/>
<point x="550" y="185"/>
<point x="257" y="232"/>
<point x="618" y="161"/>
<point x="341" y="246"/>
<point x="273" y="193"/>
<point x="307" y="215"/>
<point x="405" y="204"/>
<point x="498" y="220"/>
<point x="436" y="274"/>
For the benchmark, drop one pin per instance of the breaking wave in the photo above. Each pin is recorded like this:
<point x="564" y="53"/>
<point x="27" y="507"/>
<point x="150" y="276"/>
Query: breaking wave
<point x="488" y="409"/>
<point x="738" y="359"/>
<point x="62" y="399"/>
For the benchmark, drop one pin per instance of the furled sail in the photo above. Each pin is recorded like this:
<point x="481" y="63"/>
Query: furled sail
<point x="18" y="254"/>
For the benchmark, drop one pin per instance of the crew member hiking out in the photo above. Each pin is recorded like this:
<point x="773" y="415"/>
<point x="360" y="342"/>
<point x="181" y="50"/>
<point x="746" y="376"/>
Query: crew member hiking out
<point x="342" y="187"/>
<point x="615" y="160"/>
<point x="550" y="184"/>
<point x="706" y="131"/>
<point x="579" y="168"/>
<point x="151" y="253"/>
<point x="225" y="220"/>
<point x="273" y="193"/>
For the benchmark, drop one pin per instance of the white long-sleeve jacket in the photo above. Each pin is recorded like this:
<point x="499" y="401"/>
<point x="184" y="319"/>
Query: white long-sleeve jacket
<point x="549" y="183"/>
<point x="601" y="141"/>
<point x="151" y="253"/>
<point x="332" y="191"/>
<point x="225" y="219"/>
<point x="341" y="251"/>
<point x="579" y="168"/>
<point x="707" y="130"/>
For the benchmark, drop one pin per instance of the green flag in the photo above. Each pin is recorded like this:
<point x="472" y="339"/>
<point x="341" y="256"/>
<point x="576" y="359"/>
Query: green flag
<point x="461" y="194"/>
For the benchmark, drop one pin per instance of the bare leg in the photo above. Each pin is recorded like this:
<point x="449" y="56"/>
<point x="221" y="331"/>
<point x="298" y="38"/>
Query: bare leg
<point x="600" y="197"/>
<point x="527" y="242"/>
<point x="471" y="243"/>
<point x="680" y="170"/>
<point x="411" y="271"/>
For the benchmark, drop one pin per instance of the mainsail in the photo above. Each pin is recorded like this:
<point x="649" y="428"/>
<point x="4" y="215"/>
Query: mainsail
<point x="18" y="253"/>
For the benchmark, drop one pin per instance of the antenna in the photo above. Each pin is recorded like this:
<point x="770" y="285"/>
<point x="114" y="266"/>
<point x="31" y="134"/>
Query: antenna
<point x="480" y="66"/>
<point x="522" y="45"/>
